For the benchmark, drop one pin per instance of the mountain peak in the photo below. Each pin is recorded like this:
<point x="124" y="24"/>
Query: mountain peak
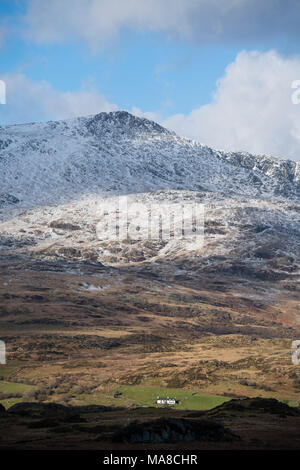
<point x="123" y="121"/>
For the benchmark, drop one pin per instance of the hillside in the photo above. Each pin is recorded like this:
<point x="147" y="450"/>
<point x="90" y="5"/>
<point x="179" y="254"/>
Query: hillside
<point x="84" y="314"/>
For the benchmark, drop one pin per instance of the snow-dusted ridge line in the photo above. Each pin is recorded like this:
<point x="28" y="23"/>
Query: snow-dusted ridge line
<point x="60" y="161"/>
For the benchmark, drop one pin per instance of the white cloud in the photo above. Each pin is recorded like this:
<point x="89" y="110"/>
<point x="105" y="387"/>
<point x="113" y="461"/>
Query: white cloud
<point x="95" y="21"/>
<point x="251" y="110"/>
<point x="151" y="115"/>
<point x="37" y="101"/>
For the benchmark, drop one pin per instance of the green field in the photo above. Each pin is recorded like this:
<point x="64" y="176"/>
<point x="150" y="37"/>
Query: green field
<point x="138" y="395"/>
<point x="8" y="402"/>
<point x="128" y="396"/>
<point x="11" y="387"/>
<point x="6" y="371"/>
<point x="188" y="399"/>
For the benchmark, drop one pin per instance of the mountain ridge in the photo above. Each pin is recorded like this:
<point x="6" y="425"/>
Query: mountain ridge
<point x="57" y="161"/>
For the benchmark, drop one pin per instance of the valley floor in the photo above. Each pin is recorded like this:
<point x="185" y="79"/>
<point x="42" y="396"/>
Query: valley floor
<point x="81" y="333"/>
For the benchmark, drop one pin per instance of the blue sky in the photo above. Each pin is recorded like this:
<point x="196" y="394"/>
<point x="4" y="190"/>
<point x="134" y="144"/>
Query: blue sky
<point x="185" y="66"/>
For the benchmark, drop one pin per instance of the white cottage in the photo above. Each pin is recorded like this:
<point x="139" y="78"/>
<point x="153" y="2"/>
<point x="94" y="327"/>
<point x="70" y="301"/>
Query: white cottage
<point x="166" y="401"/>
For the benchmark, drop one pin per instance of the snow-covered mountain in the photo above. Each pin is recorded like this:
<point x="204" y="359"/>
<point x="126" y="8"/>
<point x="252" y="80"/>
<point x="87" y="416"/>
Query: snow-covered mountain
<point x="57" y="162"/>
<point x="55" y="176"/>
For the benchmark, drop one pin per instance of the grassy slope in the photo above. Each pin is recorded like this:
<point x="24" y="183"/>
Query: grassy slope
<point x="11" y="387"/>
<point x="146" y="396"/>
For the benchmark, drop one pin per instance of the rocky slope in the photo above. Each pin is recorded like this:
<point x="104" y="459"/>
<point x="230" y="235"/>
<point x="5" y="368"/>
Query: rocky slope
<point x="58" y="177"/>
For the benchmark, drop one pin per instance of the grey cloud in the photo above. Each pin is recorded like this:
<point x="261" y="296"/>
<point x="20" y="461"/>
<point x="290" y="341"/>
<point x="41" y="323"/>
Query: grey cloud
<point x="96" y="21"/>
